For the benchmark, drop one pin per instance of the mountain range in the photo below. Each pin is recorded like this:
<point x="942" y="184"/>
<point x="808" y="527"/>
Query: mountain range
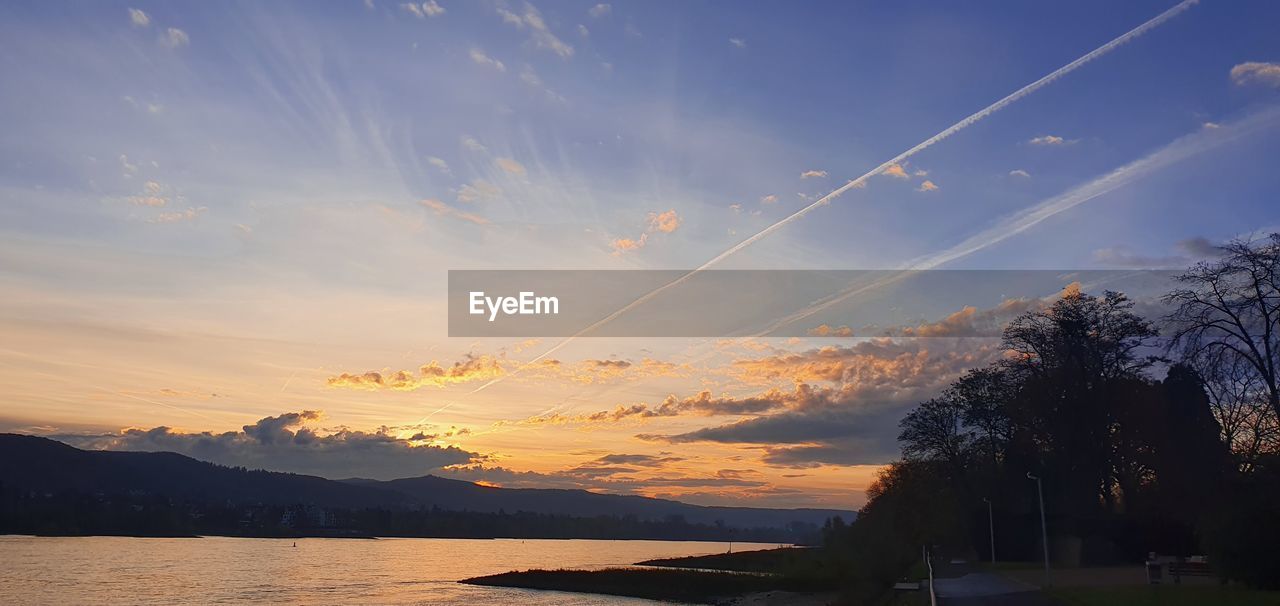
<point x="35" y="465"/>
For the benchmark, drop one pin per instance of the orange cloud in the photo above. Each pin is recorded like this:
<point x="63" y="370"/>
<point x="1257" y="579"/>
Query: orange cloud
<point x="602" y="371"/>
<point x="896" y="171"/>
<point x="879" y="369"/>
<point x="511" y="166"/>
<point x="665" y="222"/>
<point x="830" y="331"/>
<point x="622" y="245"/>
<point x="432" y="374"/>
<point x="444" y="210"/>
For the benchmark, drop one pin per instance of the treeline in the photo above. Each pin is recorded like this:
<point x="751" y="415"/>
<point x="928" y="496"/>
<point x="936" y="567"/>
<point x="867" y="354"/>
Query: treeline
<point x="150" y="514"/>
<point x="1187" y="463"/>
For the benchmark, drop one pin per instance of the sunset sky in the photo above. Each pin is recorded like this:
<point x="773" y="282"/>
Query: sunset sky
<point x="238" y="218"/>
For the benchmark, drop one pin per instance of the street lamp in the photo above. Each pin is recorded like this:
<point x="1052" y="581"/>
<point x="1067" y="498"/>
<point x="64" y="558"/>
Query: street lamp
<point x="991" y="528"/>
<point x="1044" y="531"/>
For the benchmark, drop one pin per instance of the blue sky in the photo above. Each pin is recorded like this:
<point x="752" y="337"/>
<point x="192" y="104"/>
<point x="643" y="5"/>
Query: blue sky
<point x="231" y="196"/>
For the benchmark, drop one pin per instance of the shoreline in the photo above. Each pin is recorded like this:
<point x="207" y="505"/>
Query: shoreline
<point x="668" y="584"/>
<point x="746" y="578"/>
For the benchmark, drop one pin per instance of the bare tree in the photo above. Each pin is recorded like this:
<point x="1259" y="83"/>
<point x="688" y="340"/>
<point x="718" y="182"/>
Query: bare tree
<point x="1238" y="397"/>
<point x="1230" y="308"/>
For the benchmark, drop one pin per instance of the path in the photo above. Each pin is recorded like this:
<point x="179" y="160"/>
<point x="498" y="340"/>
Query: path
<point x="965" y="587"/>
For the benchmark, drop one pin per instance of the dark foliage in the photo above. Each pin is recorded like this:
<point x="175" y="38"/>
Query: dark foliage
<point x="1130" y="464"/>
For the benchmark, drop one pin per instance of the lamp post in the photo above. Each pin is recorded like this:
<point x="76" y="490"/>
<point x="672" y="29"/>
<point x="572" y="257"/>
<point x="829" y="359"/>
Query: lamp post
<point x="1044" y="531"/>
<point x="991" y="528"/>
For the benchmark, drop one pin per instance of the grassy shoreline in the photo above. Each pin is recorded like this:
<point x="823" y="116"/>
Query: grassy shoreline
<point x="680" y="585"/>
<point x="709" y="579"/>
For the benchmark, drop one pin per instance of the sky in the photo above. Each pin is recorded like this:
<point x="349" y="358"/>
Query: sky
<point x="225" y="228"/>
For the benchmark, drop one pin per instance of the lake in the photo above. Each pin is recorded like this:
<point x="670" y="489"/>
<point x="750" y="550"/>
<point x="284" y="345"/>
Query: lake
<point x="220" y="570"/>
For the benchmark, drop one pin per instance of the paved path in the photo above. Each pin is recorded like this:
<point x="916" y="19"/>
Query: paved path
<point x="1022" y="598"/>
<point x="964" y="587"/>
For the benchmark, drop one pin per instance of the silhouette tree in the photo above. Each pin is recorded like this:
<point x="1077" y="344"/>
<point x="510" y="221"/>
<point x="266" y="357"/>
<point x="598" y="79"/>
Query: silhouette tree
<point x="935" y="431"/>
<point x="1229" y="310"/>
<point x="982" y="394"/>
<point x="1074" y="363"/>
<point x="1238" y="397"/>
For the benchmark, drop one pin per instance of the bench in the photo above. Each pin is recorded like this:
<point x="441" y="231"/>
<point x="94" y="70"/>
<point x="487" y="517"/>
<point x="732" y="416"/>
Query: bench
<point x="1177" y="570"/>
<point x="1178" y="567"/>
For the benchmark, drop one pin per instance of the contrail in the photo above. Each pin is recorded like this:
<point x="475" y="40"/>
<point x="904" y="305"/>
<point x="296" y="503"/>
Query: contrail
<point x="158" y="403"/>
<point x="1178" y="150"/>
<point x="862" y="181"/>
<point x="957" y="127"/>
<point x="288" y="381"/>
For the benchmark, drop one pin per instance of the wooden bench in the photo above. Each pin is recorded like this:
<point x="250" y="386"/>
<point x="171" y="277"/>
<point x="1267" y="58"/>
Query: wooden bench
<point x="1177" y="570"/>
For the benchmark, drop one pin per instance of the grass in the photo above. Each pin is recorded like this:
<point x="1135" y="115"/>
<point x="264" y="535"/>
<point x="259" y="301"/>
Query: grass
<point x="654" y="584"/>
<point x="776" y="561"/>
<point x="906" y="598"/>
<point x="1164" y="595"/>
<point x="1002" y="565"/>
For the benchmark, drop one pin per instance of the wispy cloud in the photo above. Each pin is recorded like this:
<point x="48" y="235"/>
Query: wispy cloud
<point x="530" y="77"/>
<point x="812" y="173"/>
<point x="470" y="143"/>
<point x="444" y="210"/>
<point x="1049" y="140"/>
<point x="430" y="8"/>
<point x="478" y="190"/>
<point x="440" y="164"/>
<point x="480" y="58"/>
<point x="825" y="330"/>
<point x="510" y="166"/>
<point x="539" y="33"/>
<point x="139" y="18"/>
<point x="174" y="38"/>
<point x="1189" y="251"/>
<point x="190" y="214"/>
<point x="1254" y="72"/>
<point x="431" y="374"/>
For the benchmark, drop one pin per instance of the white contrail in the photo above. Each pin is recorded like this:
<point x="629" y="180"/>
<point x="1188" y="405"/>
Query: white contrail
<point x="1178" y="150"/>
<point x="861" y="181"/>
<point x="959" y="126"/>
<point x="158" y="403"/>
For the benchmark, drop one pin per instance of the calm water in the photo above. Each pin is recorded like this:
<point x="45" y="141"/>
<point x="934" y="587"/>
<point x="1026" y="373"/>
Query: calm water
<point x="214" y="570"/>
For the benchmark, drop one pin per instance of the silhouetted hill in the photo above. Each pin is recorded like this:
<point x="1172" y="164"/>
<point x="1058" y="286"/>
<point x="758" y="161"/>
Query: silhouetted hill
<point x="43" y="465"/>
<point x="466" y="496"/>
<point x="38" y="466"/>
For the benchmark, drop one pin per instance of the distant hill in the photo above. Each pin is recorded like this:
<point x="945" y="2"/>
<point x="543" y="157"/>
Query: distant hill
<point x="466" y="496"/>
<point x="43" y="465"/>
<point x="39" y="465"/>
